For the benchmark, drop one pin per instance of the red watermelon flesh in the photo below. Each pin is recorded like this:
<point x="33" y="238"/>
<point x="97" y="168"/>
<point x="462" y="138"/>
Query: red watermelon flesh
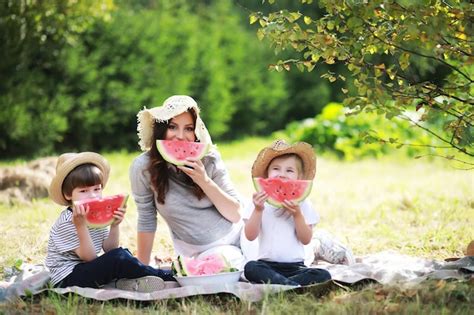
<point x="101" y="211"/>
<point x="279" y="189"/>
<point x="176" y="151"/>
<point x="208" y="265"/>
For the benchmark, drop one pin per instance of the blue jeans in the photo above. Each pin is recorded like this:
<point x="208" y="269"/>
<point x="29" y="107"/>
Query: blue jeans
<point x="297" y="273"/>
<point x="115" y="264"/>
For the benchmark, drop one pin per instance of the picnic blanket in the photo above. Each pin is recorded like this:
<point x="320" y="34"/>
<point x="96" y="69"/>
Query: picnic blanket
<point x="388" y="268"/>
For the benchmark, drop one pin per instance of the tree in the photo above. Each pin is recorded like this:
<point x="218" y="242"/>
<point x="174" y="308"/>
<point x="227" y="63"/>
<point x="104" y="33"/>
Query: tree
<point x="33" y="34"/>
<point x="403" y="56"/>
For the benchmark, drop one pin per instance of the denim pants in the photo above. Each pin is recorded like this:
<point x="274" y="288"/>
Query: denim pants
<point x="115" y="264"/>
<point x="296" y="273"/>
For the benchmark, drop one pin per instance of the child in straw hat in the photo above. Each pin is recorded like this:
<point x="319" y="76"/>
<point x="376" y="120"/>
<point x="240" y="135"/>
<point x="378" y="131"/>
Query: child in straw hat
<point x="282" y="232"/>
<point x="73" y="247"/>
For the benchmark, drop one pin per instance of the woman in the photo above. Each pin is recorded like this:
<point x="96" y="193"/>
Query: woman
<point x="197" y="200"/>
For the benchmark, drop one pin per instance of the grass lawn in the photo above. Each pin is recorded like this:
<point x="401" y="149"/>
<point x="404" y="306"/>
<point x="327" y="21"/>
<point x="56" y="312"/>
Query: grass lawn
<point x="414" y="207"/>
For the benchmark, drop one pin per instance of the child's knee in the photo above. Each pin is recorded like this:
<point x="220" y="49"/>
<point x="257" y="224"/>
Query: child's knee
<point x="251" y="267"/>
<point x="119" y="253"/>
<point x="322" y="274"/>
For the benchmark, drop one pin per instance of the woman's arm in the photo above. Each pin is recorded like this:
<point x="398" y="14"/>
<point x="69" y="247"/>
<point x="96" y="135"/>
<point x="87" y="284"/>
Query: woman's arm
<point x="224" y="203"/>
<point x="145" y="245"/>
<point x="144" y="199"/>
<point x="227" y="205"/>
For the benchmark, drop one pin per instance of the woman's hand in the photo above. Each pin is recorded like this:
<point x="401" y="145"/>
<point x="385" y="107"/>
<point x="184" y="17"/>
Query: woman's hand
<point x="195" y="169"/>
<point x="259" y="199"/>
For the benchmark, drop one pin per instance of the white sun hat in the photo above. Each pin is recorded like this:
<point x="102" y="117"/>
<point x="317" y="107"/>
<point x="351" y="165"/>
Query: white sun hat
<point x="172" y="106"/>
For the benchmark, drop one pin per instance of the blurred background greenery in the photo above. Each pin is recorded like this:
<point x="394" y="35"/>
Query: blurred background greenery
<point x="74" y="74"/>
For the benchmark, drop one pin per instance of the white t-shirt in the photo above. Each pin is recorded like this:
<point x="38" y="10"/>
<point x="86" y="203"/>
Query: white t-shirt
<point x="277" y="239"/>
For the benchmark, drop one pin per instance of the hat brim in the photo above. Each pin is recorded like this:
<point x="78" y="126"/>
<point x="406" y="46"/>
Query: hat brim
<point x="172" y="106"/>
<point x="302" y="149"/>
<point x="55" y="188"/>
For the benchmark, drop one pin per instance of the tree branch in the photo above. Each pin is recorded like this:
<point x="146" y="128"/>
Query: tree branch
<point x="463" y="150"/>
<point x="418" y="53"/>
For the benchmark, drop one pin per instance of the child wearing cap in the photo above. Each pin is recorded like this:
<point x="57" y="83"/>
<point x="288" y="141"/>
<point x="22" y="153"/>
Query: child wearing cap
<point x="282" y="232"/>
<point x="73" y="247"/>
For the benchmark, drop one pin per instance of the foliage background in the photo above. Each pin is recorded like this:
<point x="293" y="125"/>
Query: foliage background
<point x="74" y="74"/>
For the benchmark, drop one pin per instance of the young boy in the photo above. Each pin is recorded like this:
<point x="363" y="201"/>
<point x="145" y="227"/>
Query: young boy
<point x="283" y="231"/>
<point x="73" y="247"/>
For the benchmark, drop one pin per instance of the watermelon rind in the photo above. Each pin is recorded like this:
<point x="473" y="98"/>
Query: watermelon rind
<point x="175" y="269"/>
<point x="278" y="204"/>
<point x="94" y="225"/>
<point x="160" y="145"/>
<point x="182" y="266"/>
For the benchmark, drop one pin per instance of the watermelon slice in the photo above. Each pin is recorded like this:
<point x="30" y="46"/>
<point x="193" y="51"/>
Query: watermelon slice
<point x="280" y="189"/>
<point x="101" y="211"/>
<point x="208" y="265"/>
<point x="176" y="152"/>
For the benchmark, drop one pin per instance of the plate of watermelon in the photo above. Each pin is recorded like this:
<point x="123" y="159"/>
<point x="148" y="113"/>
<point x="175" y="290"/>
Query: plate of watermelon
<point x="208" y="270"/>
<point x="101" y="210"/>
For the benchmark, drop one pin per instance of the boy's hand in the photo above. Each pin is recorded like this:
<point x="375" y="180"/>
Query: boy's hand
<point x="119" y="215"/>
<point x="292" y="208"/>
<point x="79" y="213"/>
<point x="259" y="199"/>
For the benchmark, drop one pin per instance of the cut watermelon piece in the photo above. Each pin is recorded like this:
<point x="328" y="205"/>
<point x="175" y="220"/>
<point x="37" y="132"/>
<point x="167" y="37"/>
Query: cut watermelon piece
<point x="208" y="265"/>
<point x="279" y="189"/>
<point x="176" y="152"/>
<point x="101" y="211"/>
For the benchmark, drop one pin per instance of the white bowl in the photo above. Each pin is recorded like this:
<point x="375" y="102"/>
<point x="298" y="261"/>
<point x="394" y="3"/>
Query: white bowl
<point x="219" y="278"/>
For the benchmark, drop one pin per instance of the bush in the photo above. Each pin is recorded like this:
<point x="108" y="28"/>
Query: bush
<point x="138" y="58"/>
<point x="352" y="137"/>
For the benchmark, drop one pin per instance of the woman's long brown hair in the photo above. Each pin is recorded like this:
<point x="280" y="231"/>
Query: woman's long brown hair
<point x="158" y="168"/>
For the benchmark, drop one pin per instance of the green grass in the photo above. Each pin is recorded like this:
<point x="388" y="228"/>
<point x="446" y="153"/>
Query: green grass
<point x="414" y="207"/>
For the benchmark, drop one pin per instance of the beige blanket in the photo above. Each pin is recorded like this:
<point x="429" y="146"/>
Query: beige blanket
<point x="388" y="267"/>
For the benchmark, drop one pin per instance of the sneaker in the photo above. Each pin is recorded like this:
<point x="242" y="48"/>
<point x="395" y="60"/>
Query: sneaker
<point x="144" y="284"/>
<point x="331" y="250"/>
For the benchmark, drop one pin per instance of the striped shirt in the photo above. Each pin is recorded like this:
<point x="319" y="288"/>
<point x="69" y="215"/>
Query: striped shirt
<point x="63" y="240"/>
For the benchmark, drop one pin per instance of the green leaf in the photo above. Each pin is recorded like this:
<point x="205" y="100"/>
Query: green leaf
<point x="330" y="25"/>
<point x="404" y="60"/>
<point x="253" y="18"/>
<point x="300" y="66"/>
<point x="17" y="264"/>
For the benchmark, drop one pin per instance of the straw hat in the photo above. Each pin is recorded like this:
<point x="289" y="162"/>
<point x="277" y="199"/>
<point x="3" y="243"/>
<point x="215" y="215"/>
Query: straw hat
<point x="69" y="161"/>
<point x="172" y="106"/>
<point x="279" y="148"/>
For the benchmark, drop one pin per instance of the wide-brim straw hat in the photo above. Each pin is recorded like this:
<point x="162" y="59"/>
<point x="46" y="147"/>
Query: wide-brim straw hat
<point x="172" y="106"/>
<point x="280" y="147"/>
<point x="69" y="161"/>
